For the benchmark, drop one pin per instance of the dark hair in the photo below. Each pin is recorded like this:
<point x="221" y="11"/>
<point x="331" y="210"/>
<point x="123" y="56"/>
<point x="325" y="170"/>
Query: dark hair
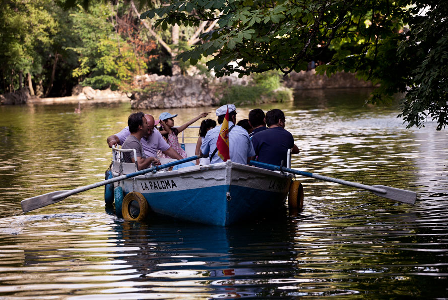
<point x="135" y="120"/>
<point x="205" y="125"/>
<point x="256" y="117"/>
<point x="273" y="116"/>
<point x="245" y="124"/>
<point x="221" y="117"/>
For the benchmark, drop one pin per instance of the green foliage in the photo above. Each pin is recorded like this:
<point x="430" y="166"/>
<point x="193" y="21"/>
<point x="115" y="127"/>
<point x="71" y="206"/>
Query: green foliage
<point x="240" y="94"/>
<point x="26" y="28"/>
<point x="58" y="42"/>
<point x="106" y="60"/>
<point x="365" y="36"/>
<point x="263" y="89"/>
<point x="269" y="80"/>
<point x="283" y="95"/>
<point x="427" y="84"/>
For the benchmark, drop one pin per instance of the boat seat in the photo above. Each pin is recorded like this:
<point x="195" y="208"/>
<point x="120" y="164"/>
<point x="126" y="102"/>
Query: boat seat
<point x="119" y="167"/>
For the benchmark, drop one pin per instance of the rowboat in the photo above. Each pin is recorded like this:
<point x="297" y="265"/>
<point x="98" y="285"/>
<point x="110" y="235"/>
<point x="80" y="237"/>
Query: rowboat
<point x="219" y="194"/>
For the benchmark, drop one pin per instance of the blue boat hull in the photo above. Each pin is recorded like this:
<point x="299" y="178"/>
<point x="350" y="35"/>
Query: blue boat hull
<point x="222" y="194"/>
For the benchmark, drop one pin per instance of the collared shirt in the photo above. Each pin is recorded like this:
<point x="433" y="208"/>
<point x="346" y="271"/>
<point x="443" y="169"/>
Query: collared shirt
<point x="271" y="145"/>
<point x="240" y="146"/>
<point x="150" y="145"/>
<point x="256" y="130"/>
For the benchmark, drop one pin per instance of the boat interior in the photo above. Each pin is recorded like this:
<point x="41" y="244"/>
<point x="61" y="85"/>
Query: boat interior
<point x="119" y="167"/>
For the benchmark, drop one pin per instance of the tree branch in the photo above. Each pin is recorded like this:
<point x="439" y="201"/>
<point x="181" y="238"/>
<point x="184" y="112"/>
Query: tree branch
<point x="158" y="38"/>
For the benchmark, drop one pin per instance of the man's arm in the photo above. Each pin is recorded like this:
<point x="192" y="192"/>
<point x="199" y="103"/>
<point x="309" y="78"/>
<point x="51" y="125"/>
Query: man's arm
<point x="144" y="163"/>
<point x="295" y="150"/>
<point x="172" y="153"/>
<point x="118" y="138"/>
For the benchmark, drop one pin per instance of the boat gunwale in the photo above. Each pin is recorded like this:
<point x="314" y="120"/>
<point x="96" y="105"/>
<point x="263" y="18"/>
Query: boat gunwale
<point x="213" y="167"/>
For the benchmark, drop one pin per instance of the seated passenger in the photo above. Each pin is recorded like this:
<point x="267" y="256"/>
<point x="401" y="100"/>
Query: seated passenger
<point x="206" y="125"/>
<point x="138" y="127"/>
<point x="152" y="141"/>
<point x="271" y="145"/>
<point x="167" y="129"/>
<point x="257" y="120"/>
<point x="240" y="146"/>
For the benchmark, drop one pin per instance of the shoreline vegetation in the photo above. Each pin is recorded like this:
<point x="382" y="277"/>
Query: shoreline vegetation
<point x="155" y="91"/>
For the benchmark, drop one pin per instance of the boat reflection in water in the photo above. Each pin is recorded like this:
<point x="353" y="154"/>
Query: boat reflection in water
<point x="196" y="261"/>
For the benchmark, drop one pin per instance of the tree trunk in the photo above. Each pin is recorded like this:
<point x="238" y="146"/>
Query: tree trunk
<point x="194" y="39"/>
<point x="11" y="82"/>
<point x="20" y="79"/>
<point x="53" y="73"/>
<point x="175" y="37"/>
<point x="39" y="88"/>
<point x="30" y="84"/>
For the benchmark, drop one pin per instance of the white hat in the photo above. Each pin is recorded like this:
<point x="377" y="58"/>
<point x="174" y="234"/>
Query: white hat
<point x="223" y="109"/>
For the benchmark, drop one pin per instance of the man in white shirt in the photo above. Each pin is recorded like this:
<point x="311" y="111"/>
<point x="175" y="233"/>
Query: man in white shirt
<point x="240" y="146"/>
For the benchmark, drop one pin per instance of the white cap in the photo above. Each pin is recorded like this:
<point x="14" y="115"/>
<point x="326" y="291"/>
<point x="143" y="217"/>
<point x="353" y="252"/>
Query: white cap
<point x="223" y="109"/>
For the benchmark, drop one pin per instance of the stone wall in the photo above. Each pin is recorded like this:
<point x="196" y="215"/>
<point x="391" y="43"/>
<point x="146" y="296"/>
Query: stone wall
<point x="311" y="80"/>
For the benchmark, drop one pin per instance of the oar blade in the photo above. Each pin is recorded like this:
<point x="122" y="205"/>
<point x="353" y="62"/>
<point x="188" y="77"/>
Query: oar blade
<point x="40" y="201"/>
<point x="54" y="197"/>
<point x="397" y="194"/>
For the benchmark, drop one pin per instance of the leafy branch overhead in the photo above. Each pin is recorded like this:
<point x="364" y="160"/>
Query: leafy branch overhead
<point x="399" y="45"/>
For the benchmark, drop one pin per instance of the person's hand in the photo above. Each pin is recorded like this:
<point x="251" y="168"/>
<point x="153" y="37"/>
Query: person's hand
<point x="204" y="114"/>
<point x="112" y="142"/>
<point x="155" y="161"/>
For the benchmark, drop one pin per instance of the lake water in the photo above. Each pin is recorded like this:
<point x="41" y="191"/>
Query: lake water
<point x="347" y="243"/>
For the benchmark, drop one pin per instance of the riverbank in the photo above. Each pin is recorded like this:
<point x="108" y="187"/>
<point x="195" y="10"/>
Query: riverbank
<point x="74" y="100"/>
<point x="188" y="91"/>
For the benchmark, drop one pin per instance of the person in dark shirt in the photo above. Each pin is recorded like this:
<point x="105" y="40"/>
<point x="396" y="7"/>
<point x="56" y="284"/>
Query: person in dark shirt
<point x="257" y="120"/>
<point x="271" y="145"/>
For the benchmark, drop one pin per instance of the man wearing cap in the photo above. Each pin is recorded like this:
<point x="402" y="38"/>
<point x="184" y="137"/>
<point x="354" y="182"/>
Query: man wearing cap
<point x="152" y="141"/>
<point x="240" y="146"/>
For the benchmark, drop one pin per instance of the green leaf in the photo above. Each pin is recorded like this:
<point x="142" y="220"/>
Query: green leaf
<point x="231" y="44"/>
<point x="189" y="7"/>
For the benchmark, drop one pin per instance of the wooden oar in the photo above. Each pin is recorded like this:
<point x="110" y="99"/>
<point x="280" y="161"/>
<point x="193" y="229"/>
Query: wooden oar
<point x="379" y="190"/>
<point x="54" y="197"/>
